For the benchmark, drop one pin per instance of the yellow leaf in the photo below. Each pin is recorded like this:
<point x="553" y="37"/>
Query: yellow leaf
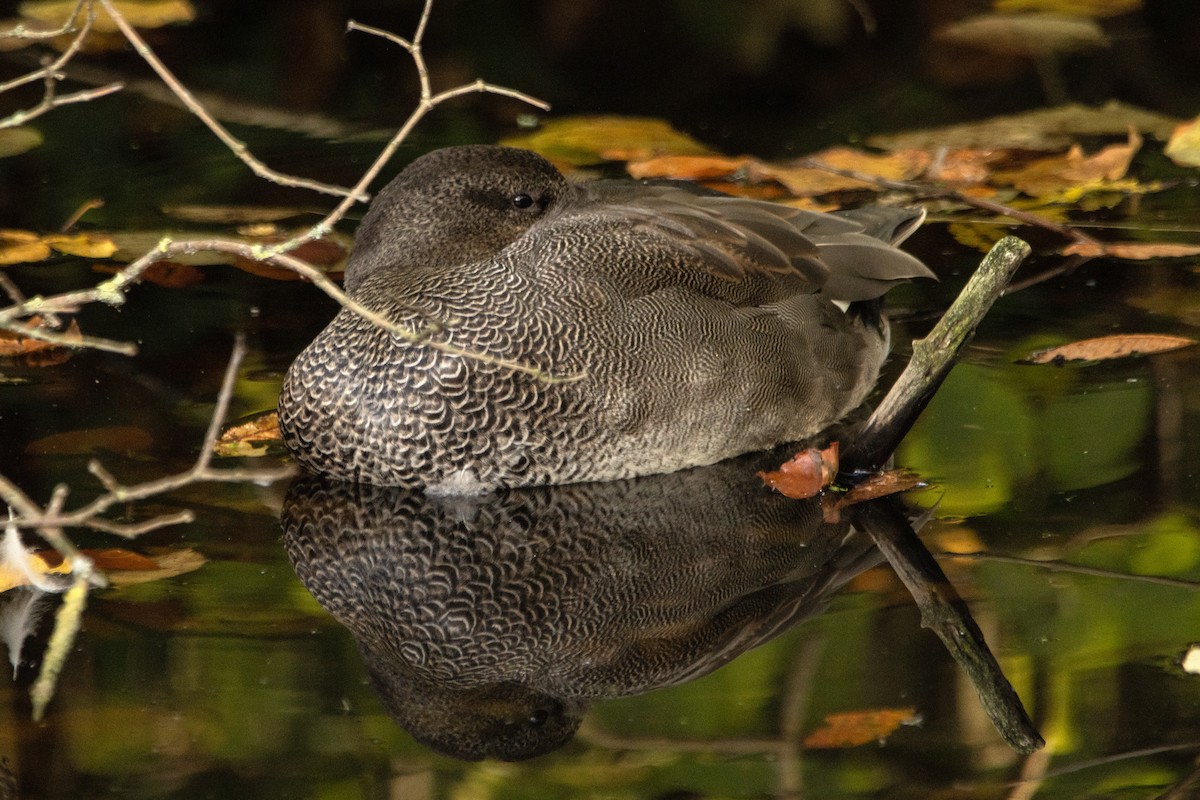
<point x="593" y="139"/>
<point x="155" y="14"/>
<point x="1184" y="146"/>
<point x="83" y="245"/>
<point x="1075" y="8"/>
<point x="14" y="141"/>
<point x="22" y="247"/>
<point x="981" y="237"/>
<point x="21" y="567"/>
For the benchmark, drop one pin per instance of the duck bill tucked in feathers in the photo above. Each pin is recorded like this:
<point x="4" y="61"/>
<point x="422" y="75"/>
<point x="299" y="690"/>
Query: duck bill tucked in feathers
<point x="696" y="327"/>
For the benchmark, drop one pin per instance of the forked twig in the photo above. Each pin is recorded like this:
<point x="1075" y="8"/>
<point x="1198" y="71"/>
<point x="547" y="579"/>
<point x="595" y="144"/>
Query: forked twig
<point x="112" y="291"/>
<point x="51" y="71"/>
<point x="49" y="521"/>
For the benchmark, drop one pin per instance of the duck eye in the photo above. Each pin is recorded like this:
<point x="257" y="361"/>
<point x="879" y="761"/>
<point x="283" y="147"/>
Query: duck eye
<point x="522" y="201"/>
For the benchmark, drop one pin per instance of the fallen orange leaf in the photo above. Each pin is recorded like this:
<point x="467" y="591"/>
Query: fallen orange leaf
<point x="124" y="567"/>
<point x="805" y="474"/>
<point x="804" y="181"/>
<point x="119" y="438"/>
<point x="1106" y="348"/>
<point x="692" y="168"/>
<point x="327" y="254"/>
<point x="1048" y="175"/>
<point x="854" y="728"/>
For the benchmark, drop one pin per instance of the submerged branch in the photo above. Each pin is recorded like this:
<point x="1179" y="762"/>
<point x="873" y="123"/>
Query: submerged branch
<point x="945" y="613"/>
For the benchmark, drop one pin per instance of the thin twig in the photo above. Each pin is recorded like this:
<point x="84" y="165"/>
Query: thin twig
<point x="11" y="289"/>
<point x="72" y="339"/>
<point x="23" y="32"/>
<point x="49" y="521"/>
<point x="235" y="145"/>
<point x="51" y="73"/>
<point x="112" y="292"/>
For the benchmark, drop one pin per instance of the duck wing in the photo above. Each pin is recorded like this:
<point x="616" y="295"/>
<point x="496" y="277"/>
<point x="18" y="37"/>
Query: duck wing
<point x="847" y="256"/>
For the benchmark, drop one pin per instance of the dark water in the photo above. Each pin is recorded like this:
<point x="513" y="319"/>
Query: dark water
<point x="1075" y="488"/>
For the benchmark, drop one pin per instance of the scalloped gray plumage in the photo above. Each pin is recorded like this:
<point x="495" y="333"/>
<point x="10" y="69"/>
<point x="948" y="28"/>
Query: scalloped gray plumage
<point x="704" y="326"/>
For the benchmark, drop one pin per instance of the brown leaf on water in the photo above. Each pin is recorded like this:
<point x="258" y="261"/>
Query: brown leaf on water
<point x="1055" y="173"/>
<point x="882" y="484"/>
<point x="168" y="274"/>
<point x="805" y="474"/>
<point x="232" y="215"/>
<point x="168" y="565"/>
<point x="1132" y="251"/>
<point x="22" y="247"/>
<point x="117" y="438"/>
<point x="237" y="440"/>
<point x="1029" y="35"/>
<point x="13" y="344"/>
<point x="854" y="728"/>
<point x="1184" y="145"/>
<point x="1106" y="348"/>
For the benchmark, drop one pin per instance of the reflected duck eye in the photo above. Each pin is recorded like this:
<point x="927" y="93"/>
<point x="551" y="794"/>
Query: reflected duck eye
<point x="522" y="201"/>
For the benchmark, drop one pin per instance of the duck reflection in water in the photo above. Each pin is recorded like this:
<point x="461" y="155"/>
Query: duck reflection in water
<point x="490" y="624"/>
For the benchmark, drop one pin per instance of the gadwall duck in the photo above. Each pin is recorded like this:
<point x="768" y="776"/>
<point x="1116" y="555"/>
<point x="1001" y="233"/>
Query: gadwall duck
<point x="682" y="327"/>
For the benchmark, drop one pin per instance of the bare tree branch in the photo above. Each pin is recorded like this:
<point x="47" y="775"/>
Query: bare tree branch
<point x="112" y="291"/>
<point x="51" y="72"/>
<point x="50" y="521"/>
